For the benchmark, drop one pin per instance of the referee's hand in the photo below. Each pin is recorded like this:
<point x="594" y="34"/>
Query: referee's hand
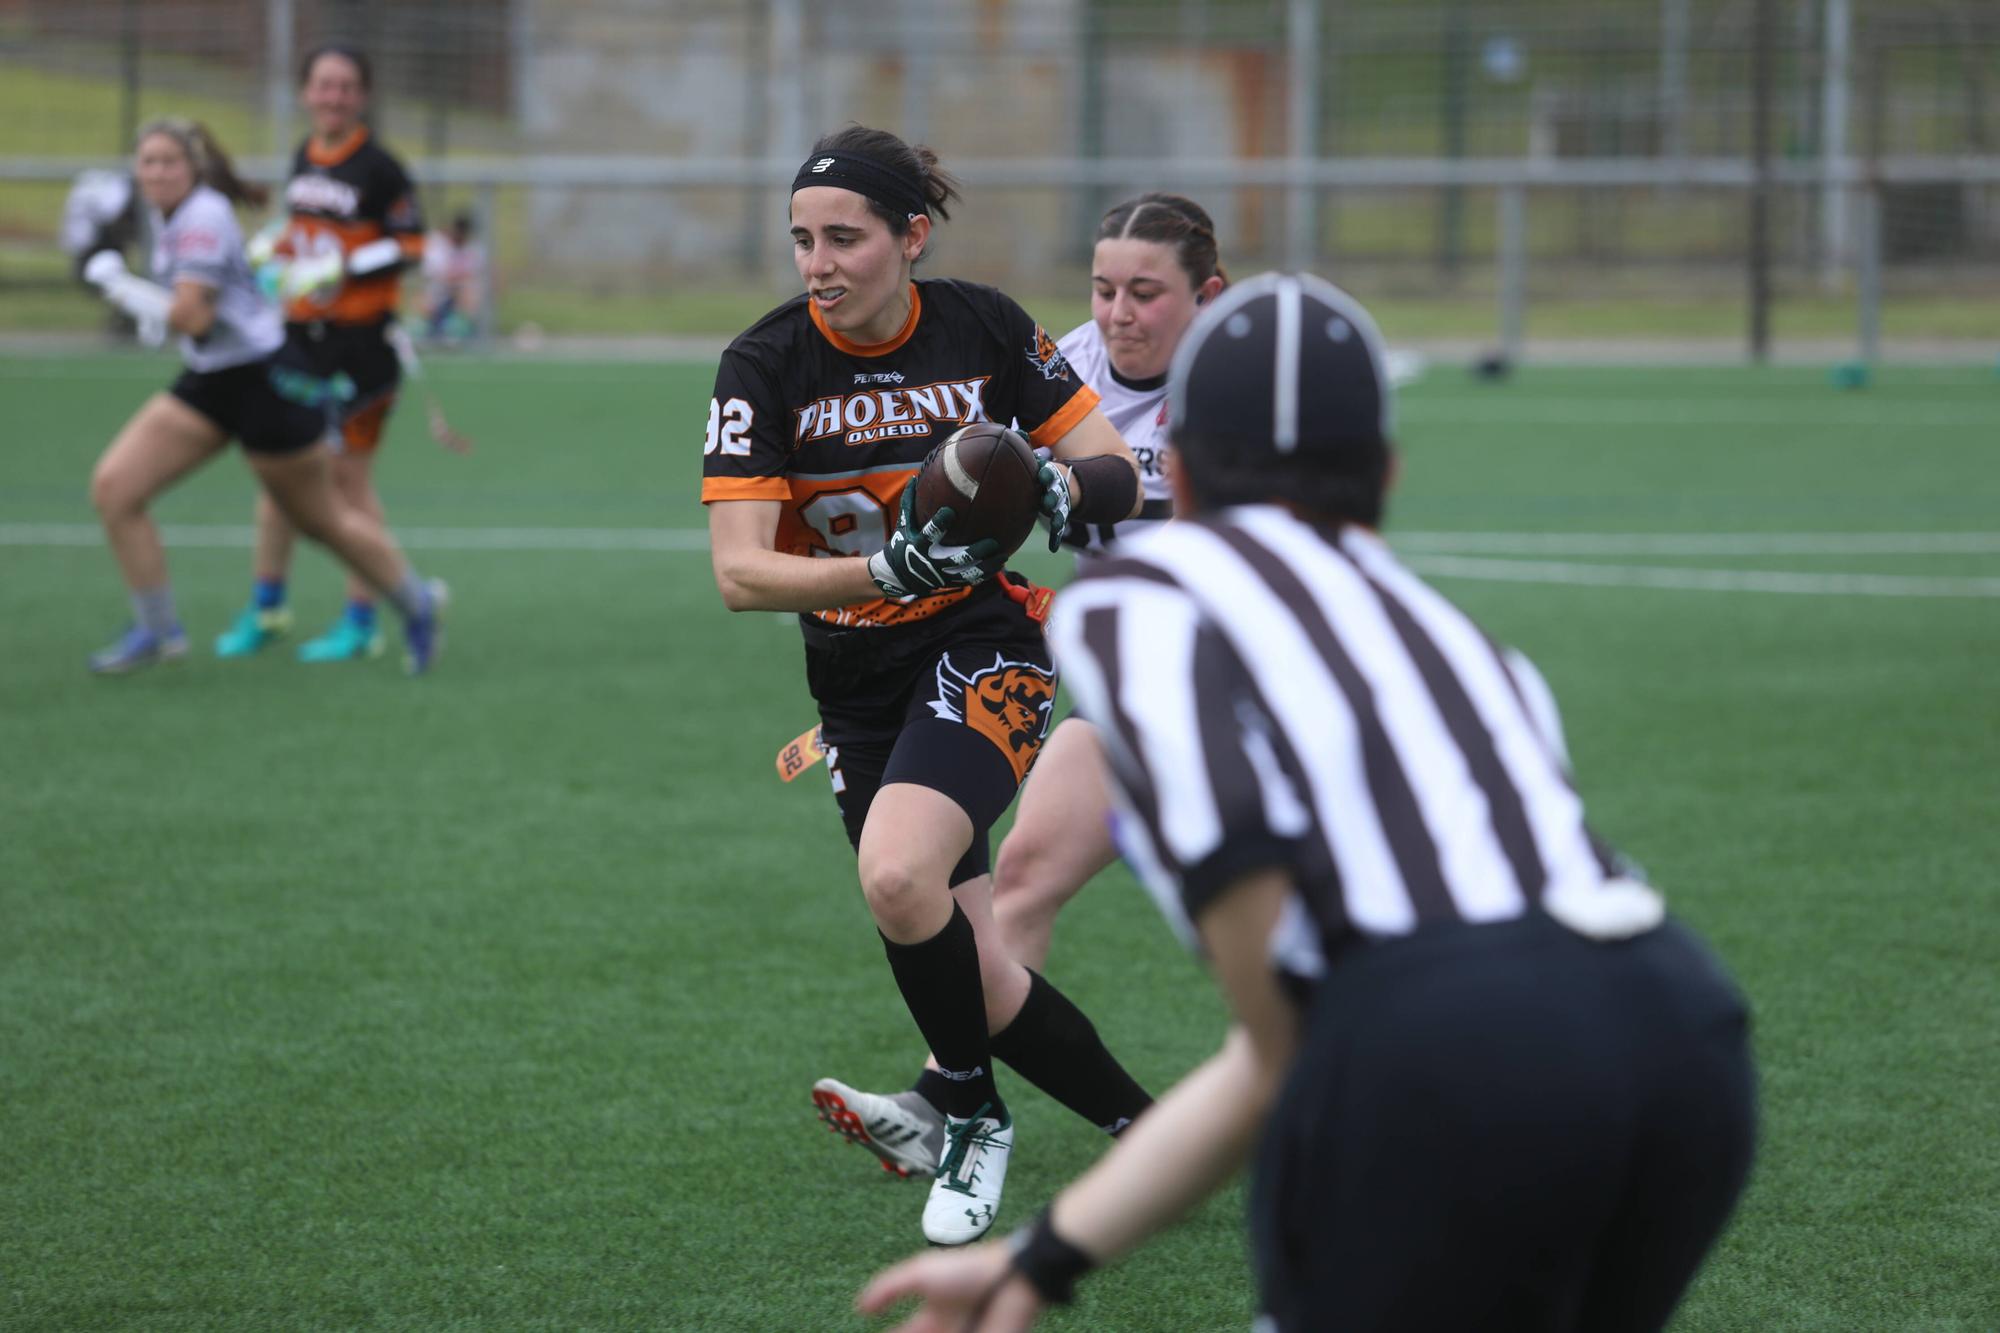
<point x="970" y="1290"/>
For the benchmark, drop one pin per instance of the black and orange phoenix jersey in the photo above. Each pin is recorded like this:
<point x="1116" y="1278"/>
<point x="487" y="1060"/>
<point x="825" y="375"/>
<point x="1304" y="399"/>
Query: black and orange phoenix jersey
<point x="341" y="199"/>
<point x="832" y="429"/>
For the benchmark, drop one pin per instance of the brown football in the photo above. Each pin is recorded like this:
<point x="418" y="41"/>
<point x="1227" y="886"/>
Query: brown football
<point x="986" y="475"/>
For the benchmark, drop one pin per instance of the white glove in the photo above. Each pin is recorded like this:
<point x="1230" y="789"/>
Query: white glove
<point x="149" y="331"/>
<point x="104" y="267"/>
<point x="315" y="279"/>
<point x="146" y="302"/>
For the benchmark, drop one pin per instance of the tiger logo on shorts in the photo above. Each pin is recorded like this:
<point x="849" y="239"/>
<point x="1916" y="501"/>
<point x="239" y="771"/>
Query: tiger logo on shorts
<point x="1009" y="703"/>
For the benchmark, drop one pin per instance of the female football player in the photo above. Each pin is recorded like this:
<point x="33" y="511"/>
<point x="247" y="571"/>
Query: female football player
<point x="934" y="688"/>
<point x="1154" y="265"/>
<point x="353" y="225"/>
<point x="236" y="385"/>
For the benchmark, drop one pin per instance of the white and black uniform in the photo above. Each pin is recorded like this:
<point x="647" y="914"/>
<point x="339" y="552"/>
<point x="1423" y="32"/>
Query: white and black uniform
<point x="201" y="242"/>
<point x="1138" y="408"/>
<point x="1522" y="1097"/>
<point x="234" y="376"/>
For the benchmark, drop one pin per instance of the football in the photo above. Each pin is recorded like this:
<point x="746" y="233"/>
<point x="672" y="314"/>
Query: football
<point x="986" y="475"/>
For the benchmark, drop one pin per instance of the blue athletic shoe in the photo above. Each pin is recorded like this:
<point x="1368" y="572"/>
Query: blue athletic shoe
<point x="139" y="648"/>
<point x="423" y="635"/>
<point x="252" y="630"/>
<point x="347" y="641"/>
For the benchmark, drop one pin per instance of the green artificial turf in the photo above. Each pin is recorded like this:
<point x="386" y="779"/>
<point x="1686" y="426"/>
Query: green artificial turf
<point x="331" y="999"/>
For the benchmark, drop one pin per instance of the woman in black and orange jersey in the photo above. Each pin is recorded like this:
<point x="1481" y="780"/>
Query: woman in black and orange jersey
<point x="933" y="688"/>
<point x="352" y="226"/>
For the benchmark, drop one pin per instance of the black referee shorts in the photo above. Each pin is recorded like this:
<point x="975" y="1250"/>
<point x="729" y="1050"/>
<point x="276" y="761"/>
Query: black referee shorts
<point x="962" y="711"/>
<point x="1505" y="1127"/>
<point x="269" y="407"/>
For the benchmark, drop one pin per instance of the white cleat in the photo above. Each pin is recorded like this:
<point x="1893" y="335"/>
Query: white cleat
<point x="965" y="1197"/>
<point x="904" y="1131"/>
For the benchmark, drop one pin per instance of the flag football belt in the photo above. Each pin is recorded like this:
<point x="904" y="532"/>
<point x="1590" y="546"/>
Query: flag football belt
<point x="809" y="747"/>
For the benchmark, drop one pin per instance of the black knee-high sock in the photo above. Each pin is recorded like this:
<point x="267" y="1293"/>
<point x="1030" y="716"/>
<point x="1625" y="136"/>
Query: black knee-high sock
<point x="940" y="982"/>
<point x="932" y="1086"/>
<point x="1052" y="1045"/>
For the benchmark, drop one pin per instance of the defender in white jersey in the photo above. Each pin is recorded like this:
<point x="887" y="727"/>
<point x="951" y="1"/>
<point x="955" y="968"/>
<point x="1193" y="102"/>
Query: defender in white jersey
<point x="1154" y="265"/>
<point x="238" y="384"/>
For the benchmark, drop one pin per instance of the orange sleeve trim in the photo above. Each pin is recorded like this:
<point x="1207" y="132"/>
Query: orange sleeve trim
<point x="412" y="243"/>
<point x="1066" y="418"/>
<point x="744" y="488"/>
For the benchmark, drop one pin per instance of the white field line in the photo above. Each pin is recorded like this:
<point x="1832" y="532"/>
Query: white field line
<point x="1444" y="554"/>
<point x="1701" y="580"/>
<point x="233" y="537"/>
<point x="1587" y="412"/>
<point x="1697" y="543"/>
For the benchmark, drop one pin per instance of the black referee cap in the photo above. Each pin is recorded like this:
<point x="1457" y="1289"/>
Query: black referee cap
<point x="1284" y="372"/>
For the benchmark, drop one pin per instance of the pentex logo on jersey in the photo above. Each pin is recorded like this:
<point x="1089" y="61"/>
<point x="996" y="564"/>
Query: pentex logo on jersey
<point x="889" y="414"/>
<point x="1008" y="703"/>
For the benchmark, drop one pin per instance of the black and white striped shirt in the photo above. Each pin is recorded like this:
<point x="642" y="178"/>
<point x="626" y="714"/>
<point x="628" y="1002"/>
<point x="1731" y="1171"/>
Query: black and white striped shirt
<point x="1272" y="694"/>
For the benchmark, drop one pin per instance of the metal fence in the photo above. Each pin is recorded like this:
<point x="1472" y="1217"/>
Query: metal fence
<point x="1482" y="162"/>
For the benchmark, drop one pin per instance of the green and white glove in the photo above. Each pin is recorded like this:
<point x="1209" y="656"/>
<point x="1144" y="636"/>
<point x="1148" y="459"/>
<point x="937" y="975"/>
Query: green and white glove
<point x="316" y="277"/>
<point x="914" y="562"/>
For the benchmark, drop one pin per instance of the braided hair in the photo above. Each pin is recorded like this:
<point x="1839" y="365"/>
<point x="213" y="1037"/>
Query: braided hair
<point x="1172" y="220"/>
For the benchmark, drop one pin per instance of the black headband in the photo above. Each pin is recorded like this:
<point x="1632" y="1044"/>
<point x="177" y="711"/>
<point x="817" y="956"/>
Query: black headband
<point x="894" y="190"/>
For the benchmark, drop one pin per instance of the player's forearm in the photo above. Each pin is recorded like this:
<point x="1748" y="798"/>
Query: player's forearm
<point x="192" y="312"/>
<point x="1187" y="1145"/>
<point x="774" y="581"/>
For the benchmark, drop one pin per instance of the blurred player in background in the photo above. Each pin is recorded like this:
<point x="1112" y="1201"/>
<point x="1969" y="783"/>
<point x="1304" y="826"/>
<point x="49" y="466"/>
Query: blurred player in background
<point x="454" y="282"/>
<point x="236" y="385"/>
<point x="934" y="688"/>
<point x="352" y="226"/>
<point x="1486" y="1082"/>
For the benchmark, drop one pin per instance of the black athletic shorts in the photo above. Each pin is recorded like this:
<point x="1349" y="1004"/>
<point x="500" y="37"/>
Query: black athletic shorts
<point x="962" y="710"/>
<point x="270" y="407"/>
<point x="1505" y="1126"/>
<point x="374" y="373"/>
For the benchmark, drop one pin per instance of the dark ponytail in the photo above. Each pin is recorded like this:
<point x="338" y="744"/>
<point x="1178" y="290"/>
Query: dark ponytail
<point x="938" y="186"/>
<point x="211" y="164"/>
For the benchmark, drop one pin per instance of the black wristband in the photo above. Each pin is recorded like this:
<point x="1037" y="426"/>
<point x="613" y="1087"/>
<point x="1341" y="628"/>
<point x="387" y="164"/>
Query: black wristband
<point x="1110" y="489"/>
<point x="1051" y="1264"/>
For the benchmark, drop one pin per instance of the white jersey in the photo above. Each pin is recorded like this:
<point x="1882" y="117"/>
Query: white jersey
<point x="202" y="243"/>
<point x="1140" y="415"/>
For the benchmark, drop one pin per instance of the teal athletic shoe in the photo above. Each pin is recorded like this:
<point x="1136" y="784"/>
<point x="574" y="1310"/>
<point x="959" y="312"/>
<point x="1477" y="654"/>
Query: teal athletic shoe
<point x="345" y="642"/>
<point x="252" y="630"/>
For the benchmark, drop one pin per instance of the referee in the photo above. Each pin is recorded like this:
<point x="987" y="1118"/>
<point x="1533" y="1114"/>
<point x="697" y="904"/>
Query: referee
<point x="1485" y="1081"/>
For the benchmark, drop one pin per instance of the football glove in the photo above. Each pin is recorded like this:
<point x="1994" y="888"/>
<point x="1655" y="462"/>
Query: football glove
<point x="146" y="302"/>
<point x="914" y="563"/>
<point x="313" y="279"/>
<point x="1055" y="503"/>
<point x="104" y="268"/>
